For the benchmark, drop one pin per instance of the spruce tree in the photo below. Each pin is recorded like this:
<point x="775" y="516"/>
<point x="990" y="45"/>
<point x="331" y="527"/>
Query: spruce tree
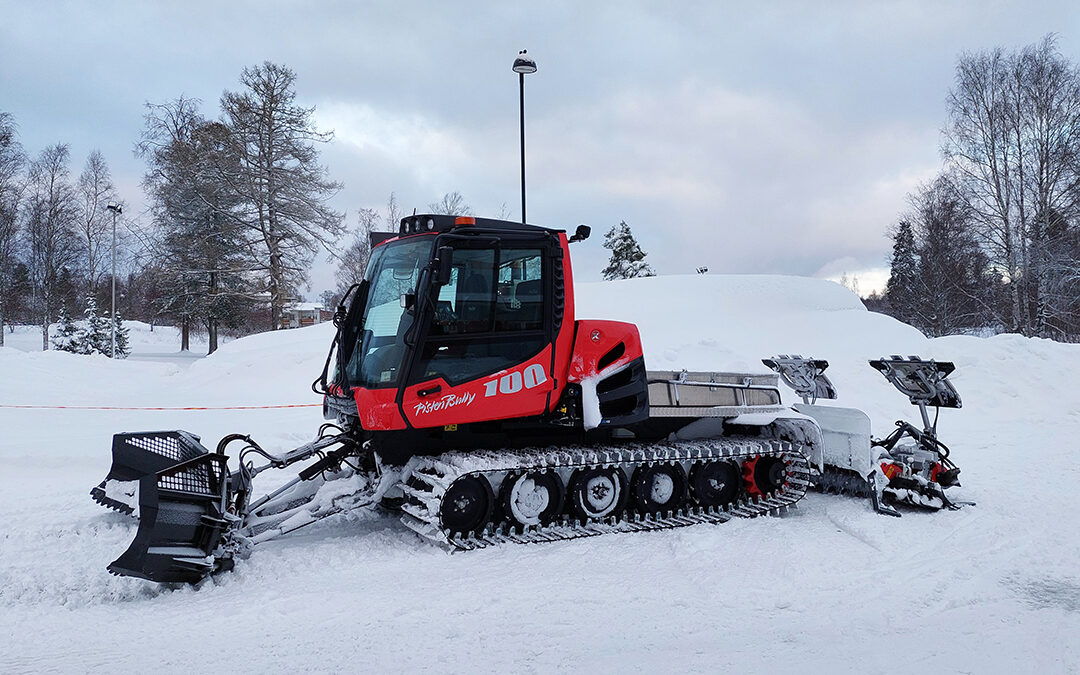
<point x="97" y="333"/>
<point x="627" y="259"/>
<point x="901" y="291"/>
<point x="68" y="336"/>
<point x="122" y="346"/>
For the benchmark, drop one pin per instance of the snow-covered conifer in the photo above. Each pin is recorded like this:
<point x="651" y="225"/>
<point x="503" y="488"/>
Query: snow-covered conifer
<point x="69" y="337"/>
<point x="96" y="331"/>
<point x="627" y="259"/>
<point x="122" y="346"/>
<point x="901" y="291"/>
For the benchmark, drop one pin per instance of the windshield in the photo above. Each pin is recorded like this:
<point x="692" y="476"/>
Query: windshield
<point x="393" y="271"/>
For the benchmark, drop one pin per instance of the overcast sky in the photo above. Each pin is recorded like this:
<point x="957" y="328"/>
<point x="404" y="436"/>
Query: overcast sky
<point x="768" y="137"/>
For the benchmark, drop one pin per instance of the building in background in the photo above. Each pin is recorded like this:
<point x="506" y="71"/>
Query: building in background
<point x="303" y="314"/>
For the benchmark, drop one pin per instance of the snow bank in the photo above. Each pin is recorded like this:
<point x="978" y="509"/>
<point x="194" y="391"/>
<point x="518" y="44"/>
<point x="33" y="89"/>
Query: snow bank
<point x="831" y="588"/>
<point x="732" y="322"/>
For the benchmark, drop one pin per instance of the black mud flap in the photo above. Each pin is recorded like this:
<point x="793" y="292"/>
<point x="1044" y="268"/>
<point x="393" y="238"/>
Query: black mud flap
<point x="139" y="454"/>
<point x="181" y="522"/>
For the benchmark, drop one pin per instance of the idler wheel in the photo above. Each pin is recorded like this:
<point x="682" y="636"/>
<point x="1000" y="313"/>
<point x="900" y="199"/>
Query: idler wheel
<point x="764" y="475"/>
<point x="467" y="505"/>
<point x="715" y="483"/>
<point x="532" y="497"/>
<point x="596" y="494"/>
<point x="659" y="487"/>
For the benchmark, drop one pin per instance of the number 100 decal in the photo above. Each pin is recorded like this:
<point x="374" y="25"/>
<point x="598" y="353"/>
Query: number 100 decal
<point x="512" y="383"/>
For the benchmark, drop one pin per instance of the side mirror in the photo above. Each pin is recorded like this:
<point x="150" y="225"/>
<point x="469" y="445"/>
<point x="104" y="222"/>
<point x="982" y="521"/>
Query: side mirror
<point x="581" y="234"/>
<point x="408" y="301"/>
<point x="444" y="265"/>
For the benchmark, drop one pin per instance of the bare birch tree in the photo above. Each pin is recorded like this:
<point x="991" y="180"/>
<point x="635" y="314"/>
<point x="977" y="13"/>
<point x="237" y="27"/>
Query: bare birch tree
<point x="1051" y="129"/>
<point x="451" y="204"/>
<point x="95" y="192"/>
<point x="51" y="216"/>
<point x="11" y="188"/>
<point x="1013" y="139"/>
<point x="353" y="262"/>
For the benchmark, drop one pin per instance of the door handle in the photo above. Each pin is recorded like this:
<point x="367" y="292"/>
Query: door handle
<point x="429" y="391"/>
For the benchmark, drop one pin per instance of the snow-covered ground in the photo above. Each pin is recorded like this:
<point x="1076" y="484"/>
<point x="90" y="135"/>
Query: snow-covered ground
<point x="160" y="343"/>
<point x="833" y="587"/>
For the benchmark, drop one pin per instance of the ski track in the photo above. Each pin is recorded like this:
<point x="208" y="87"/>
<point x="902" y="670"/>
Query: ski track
<point x="829" y="587"/>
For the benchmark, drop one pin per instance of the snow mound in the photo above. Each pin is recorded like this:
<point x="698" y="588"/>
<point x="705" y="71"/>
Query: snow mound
<point x="265" y="369"/>
<point x="717" y="322"/>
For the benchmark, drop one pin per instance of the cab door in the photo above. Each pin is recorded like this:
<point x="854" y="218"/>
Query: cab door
<point x="487" y="352"/>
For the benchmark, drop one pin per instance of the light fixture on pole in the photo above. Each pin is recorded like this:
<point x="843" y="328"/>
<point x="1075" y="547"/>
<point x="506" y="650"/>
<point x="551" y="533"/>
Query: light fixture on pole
<point x="523" y="65"/>
<point x="116" y="209"/>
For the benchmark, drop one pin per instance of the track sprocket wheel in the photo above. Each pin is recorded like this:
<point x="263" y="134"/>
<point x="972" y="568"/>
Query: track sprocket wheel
<point x="763" y="475"/>
<point x="532" y="497"/>
<point x="658" y="487"/>
<point x="715" y="483"/>
<point x="595" y="494"/>
<point x="467" y="505"/>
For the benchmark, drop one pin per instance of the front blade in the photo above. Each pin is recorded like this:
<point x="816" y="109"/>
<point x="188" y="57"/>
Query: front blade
<point x="181" y="523"/>
<point x="138" y="454"/>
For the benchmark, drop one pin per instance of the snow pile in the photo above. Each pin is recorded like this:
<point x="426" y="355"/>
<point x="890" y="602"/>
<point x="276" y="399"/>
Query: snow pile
<point x="831" y="588"/>
<point x="732" y="322"/>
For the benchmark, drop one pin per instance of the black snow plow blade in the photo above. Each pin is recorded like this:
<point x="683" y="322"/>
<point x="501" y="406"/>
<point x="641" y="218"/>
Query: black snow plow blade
<point x="182" y="517"/>
<point x="139" y="454"/>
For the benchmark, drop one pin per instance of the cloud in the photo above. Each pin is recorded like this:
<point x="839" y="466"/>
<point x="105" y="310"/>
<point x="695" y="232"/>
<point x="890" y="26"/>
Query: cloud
<point x="770" y="137"/>
<point x="854" y="275"/>
<point x="429" y="149"/>
<point x="706" y="174"/>
<point x="747" y="181"/>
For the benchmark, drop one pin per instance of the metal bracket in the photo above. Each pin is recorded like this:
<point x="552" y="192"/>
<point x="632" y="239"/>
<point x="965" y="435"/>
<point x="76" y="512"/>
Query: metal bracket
<point x="923" y="382"/>
<point x="805" y="375"/>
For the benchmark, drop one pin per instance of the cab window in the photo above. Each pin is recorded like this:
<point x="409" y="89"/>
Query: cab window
<point x="490" y="315"/>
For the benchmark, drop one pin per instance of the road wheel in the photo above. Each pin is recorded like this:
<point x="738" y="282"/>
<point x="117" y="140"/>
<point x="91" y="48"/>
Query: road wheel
<point x="596" y="494"/>
<point x="467" y="505"/>
<point x="532" y="497"/>
<point x="658" y="488"/>
<point x="714" y="483"/>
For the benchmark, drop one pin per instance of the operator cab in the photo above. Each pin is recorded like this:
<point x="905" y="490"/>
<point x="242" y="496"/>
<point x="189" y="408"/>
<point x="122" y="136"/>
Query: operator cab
<point x="449" y="301"/>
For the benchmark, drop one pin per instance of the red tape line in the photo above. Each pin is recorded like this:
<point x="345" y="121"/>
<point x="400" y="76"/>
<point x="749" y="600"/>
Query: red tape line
<point x="105" y="407"/>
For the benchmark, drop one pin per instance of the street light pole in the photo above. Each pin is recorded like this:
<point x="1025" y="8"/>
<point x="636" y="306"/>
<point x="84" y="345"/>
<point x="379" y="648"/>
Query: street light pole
<point x="521" y="109"/>
<point x="116" y="209"/>
<point x="522" y="66"/>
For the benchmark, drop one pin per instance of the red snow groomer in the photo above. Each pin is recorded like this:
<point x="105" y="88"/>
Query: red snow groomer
<point x="463" y="392"/>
